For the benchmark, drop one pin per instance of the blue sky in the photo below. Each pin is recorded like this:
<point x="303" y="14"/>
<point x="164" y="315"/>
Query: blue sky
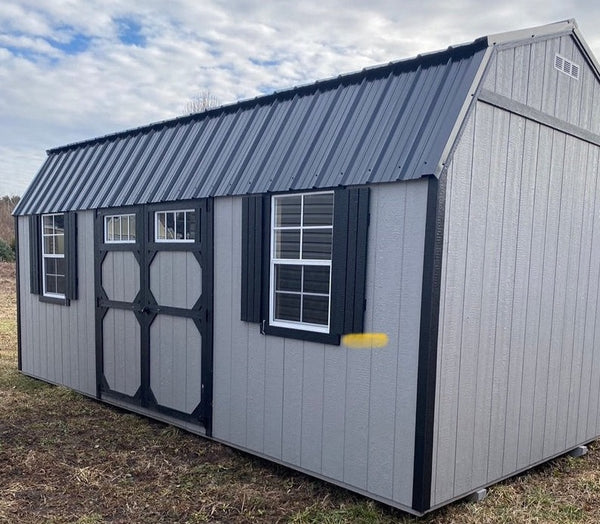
<point x="76" y="69"/>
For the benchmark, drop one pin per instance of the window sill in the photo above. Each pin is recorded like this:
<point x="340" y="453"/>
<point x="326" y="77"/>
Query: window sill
<point x="55" y="300"/>
<point x="301" y="334"/>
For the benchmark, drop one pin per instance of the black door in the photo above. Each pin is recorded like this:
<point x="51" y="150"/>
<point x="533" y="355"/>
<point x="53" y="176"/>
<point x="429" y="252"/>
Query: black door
<point x="154" y="308"/>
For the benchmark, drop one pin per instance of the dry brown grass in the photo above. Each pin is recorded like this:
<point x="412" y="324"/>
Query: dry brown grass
<point x="66" y="458"/>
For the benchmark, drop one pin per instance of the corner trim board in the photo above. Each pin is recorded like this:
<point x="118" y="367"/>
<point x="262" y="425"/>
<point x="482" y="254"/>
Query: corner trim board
<point x="18" y="289"/>
<point x="428" y="340"/>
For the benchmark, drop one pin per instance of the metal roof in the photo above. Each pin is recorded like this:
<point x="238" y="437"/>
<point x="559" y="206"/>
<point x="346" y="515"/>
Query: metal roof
<point x="381" y="124"/>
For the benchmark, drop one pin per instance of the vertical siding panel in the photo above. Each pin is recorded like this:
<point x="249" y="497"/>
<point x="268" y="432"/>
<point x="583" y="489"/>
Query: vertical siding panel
<point x="550" y="85"/>
<point x="589" y="395"/>
<point x="454" y="265"/>
<point x="551" y="322"/>
<point x="473" y="283"/>
<point x="582" y="231"/>
<point x="520" y="77"/>
<point x="357" y="417"/>
<point x="334" y="409"/>
<point x="507" y="242"/>
<point x="312" y="407"/>
<point x="536" y="83"/>
<point x="380" y="317"/>
<point x="485" y="318"/>
<point x="543" y="148"/>
<point x="256" y="391"/>
<point x="292" y="400"/>
<point x="273" y="425"/>
<point x="225" y="266"/>
<point x="569" y="253"/>
<point x="504" y="72"/>
<point x="522" y="361"/>
<point x="409" y="304"/>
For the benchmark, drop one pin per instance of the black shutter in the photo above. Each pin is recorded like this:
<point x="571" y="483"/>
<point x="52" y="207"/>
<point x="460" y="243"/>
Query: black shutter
<point x="71" y="255"/>
<point x="349" y="260"/>
<point x="35" y="255"/>
<point x="252" y="255"/>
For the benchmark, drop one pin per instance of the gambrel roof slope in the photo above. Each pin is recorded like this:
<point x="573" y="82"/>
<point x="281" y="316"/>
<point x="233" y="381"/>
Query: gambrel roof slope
<point x="383" y="124"/>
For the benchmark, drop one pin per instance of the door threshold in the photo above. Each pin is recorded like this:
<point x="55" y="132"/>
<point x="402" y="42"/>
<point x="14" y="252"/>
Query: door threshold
<point x="198" y="428"/>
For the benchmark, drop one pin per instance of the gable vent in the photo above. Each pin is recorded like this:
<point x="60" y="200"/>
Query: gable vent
<point x="566" y="66"/>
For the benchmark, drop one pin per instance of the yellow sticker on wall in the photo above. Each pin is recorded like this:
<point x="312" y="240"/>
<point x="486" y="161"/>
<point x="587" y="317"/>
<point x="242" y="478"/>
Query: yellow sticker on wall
<point x="365" y="340"/>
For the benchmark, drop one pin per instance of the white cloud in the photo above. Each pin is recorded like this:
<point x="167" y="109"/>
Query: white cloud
<point x="50" y="96"/>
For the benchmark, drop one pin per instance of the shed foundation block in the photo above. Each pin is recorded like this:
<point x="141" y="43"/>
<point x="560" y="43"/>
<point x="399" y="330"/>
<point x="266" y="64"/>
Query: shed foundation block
<point x="478" y="496"/>
<point x="579" y="451"/>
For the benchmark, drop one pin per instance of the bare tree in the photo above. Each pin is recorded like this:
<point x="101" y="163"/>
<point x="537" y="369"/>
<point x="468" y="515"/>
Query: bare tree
<point x="202" y="102"/>
<point x="7" y="230"/>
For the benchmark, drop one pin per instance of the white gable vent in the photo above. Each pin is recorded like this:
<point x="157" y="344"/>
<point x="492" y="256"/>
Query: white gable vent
<point x="566" y="66"/>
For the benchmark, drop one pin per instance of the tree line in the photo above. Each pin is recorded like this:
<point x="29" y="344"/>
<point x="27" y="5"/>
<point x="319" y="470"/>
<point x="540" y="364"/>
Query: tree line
<point x="7" y="228"/>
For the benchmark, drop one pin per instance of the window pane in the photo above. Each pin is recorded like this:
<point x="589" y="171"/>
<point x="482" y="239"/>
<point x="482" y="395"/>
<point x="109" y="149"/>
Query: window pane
<point x="316" y="244"/>
<point x="109" y="229"/>
<point x="170" y="225"/>
<point x="50" y="283"/>
<point x="47" y="224"/>
<point x="60" y="284"/>
<point x="59" y="224"/>
<point x="316" y="279"/>
<point x="287" y="244"/>
<point x="125" y="227"/>
<point x="318" y="210"/>
<point x="59" y="244"/>
<point x="315" y="310"/>
<point x="179" y="224"/>
<point x="288" y="278"/>
<point x="287" y="211"/>
<point x="287" y="307"/>
<point x="132" y="227"/>
<point x="49" y="245"/>
<point x="191" y="225"/>
<point x="117" y="228"/>
<point x="59" y="266"/>
<point x="51" y="266"/>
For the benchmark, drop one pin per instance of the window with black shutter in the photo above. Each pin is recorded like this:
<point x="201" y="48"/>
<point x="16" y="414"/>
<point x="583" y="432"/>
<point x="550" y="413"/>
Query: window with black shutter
<point x="304" y="263"/>
<point x="53" y="257"/>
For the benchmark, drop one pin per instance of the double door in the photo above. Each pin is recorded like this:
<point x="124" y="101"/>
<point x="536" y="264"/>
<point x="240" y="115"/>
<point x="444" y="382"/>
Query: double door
<point x="153" y="274"/>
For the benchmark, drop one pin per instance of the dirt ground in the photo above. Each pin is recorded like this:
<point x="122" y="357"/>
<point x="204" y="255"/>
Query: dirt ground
<point x="68" y="458"/>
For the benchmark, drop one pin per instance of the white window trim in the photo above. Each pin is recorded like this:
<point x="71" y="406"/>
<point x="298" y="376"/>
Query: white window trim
<point x="291" y="324"/>
<point x="173" y="240"/>
<point x="106" y="239"/>
<point x="50" y="255"/>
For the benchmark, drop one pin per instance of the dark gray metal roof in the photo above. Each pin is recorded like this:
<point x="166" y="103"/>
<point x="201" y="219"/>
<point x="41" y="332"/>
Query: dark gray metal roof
<point x="382" y="124"/>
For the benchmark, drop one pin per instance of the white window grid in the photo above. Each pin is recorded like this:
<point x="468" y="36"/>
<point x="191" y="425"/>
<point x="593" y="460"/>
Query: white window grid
<point x="55" y="255"/>
<point x="291" y="324"/>
<point x="128" y="231"/>
<point x="157" y="230"/>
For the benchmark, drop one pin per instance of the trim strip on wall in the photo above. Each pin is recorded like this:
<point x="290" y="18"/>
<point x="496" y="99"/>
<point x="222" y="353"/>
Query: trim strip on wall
<point x="428" y="340"/>
<point x="517" y="108"/>
<point x="18" y="286"/>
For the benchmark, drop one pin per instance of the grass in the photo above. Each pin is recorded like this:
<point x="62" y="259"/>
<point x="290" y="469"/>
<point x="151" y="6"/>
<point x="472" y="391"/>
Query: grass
<point x="67" y="458"/>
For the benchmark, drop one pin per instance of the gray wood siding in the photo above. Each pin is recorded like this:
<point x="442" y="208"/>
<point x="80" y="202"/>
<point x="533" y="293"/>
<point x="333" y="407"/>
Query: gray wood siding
<point x="347" y="415"/>
<point x="526" y="73"/>
<point x="176" y="279"/>
<point x="58" y="342"/>
<point x="120" y="276"/>
<point x="518" y="376"/>
<point x="175" y="362"/>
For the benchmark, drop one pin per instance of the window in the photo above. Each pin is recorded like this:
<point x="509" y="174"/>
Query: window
<point x="53" y="255"/>
<point x="119" y="229"/>
<point x="175" y="226"/>
<point x="304" y="263"/>
<point x="300" y="272"/>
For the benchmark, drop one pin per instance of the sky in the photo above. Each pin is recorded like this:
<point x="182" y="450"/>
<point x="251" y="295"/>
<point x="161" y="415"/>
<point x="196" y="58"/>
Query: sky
<point x="77" y="69"/>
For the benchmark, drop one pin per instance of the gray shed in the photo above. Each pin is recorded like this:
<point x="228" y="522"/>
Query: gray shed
<point x="202" y="270"/>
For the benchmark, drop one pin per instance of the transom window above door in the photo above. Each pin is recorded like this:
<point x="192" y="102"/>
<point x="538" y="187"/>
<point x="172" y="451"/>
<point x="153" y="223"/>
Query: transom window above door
<point x="175" y="226"/>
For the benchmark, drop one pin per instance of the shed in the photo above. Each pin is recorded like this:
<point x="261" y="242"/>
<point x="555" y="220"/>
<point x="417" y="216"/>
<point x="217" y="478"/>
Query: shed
<point x="202" y="270"/>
